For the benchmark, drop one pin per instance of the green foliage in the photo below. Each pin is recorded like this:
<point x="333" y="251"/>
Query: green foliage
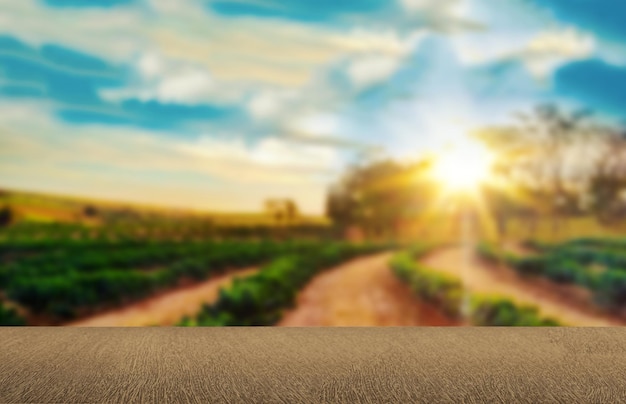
<point x="261" y="298"/>
<point x="496" y="311"/>
<point x="447" y="292"/>
<point x="9" y="317"/>
<point x="63" y="282"/>
<point x="442" y="290"/>
<point x="611" y="290"/>
<point x="6" y="216"/>
<point x="528" y="265"/>
<point x="596" y="264"/>
<point x="489" y="253"/>
<point x="378" y="195"/>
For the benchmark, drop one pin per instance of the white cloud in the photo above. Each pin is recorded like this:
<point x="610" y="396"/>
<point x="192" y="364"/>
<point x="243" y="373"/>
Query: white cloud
<point x="372" y="69"/>
<point x="567" y="43"/>
<point x="270" y="103"/>
<point x="113" y="34"/>
<point x="232" y="155"/>
<point x="541" y="52"/>
<point x="150" y="66"/>
<point x="188" y="86"/>
<point x="35" y="149"/>
<point x="282" y="53"/>
<point x="172" y="81"/>
<point x="548" y="50"/>
<point x="444" y="6"/>
<point x="317" y="123"/>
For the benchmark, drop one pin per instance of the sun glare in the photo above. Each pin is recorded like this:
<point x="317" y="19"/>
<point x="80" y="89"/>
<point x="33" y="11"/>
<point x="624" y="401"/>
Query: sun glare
<point x="463" y="167"/>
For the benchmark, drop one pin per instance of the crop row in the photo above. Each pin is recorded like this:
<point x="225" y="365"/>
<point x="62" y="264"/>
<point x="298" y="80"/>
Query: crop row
<point x="129" y="256"/>
<point x="42" y="232"/>
<point x="606" y="282"/>
<point x="63" y="293"/>
<point x="602" y="244"/>
<point x="605" y="252"/>
<point x="9" y="316"/>
<point x="260" y="299"/>
<point x="448" y="292"/>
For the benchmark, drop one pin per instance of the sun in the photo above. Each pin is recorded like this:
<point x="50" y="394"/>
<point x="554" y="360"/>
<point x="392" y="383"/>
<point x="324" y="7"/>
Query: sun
<point x="463" y="167"/>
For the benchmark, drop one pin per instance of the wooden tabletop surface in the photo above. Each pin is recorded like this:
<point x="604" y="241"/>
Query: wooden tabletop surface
<point x="317" y="365"/>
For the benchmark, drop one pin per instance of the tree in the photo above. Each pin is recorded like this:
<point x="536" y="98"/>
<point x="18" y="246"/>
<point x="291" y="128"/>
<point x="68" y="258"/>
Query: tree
<point x="90" y="211"/>
<point x="558" y="161"/>
<point x="284" y="211"/>
<point x="377" y="196"/>
<point x="291" y="211"/>
<point x="6" y="216"/>
<point x="273" y="207"/>
<point x="607" y="183"/>
<point x="10" y="317"/>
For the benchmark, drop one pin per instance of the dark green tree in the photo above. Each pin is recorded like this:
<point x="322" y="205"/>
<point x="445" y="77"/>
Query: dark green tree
<point x="6" y="216"/>
<point x="378" y="196"/>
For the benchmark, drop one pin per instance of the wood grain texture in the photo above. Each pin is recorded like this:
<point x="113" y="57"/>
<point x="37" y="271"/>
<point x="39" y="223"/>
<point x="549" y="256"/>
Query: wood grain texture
<point x="316" y="365"/>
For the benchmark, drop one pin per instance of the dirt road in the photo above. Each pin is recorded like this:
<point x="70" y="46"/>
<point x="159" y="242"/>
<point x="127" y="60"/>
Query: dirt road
<point x="552" y="300"/>
<point x="167" y="308"/>
<point x="362" y="292"/>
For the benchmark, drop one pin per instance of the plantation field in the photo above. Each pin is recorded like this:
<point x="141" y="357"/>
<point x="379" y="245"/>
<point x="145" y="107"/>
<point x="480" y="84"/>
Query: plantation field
<point x="81" y="262"/>
<point x="546" y="230"/>
<point x="595" y="266"/>
<point x="66" y="281"/>
<point x="63" y="259"/>
<point x="45" y="208"/>
<point x="362" y="292"/>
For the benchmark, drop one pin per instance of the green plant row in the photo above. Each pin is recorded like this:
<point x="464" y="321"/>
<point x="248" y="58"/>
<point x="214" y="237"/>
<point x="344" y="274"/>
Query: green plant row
<point x="260" y="299"/>
<point x="26" y="233"/>
<point x="557" y="266"/>
<point x="569" y="266"/>
<point x="9" y="317"/>
<point x="447" y="292"/>
<point x="123" y="257"/>
<point x="65" y="293"/>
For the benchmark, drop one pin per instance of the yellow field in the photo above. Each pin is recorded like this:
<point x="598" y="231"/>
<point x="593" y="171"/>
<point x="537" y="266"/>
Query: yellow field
<point x="34" y="207"/>
<point x="546" y="231"/>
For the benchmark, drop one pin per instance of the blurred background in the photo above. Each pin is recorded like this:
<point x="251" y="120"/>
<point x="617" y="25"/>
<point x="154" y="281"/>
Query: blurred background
<point x="312" y="163"/>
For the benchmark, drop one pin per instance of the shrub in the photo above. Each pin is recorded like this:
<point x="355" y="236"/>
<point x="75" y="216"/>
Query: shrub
<point x="9" y="317"/>
<point x="530" y="265"/>
<point x="610" y="291"/>
<point x="259" y="299"/>
<point x="448" y="293"/>
<point x="489" y="253"/>
<point x="495" y="311"/>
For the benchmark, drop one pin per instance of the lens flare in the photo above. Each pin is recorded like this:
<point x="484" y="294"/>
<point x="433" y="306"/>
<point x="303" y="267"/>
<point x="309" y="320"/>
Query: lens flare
<point x="463" y="167"/>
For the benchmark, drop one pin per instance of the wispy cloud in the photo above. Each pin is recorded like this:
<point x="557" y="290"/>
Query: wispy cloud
<point x="212" y="100"/>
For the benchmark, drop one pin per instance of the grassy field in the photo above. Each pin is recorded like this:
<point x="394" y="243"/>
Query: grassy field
<point x="38" y="207"/>
<point x="63" y="259"/>
<point x="567" y="229"/>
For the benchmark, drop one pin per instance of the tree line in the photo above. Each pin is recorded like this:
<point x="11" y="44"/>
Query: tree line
<point x="553" y="162"/>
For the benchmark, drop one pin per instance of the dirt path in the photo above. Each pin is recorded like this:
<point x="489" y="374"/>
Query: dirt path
<point x="167" y="308"/>
<point x="362" y="292"/>
<point x="552" y="300"/>
<point x="518" y="248"/>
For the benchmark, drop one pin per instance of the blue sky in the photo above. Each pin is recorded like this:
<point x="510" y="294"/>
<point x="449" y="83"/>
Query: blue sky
<point x="219" y="104"/>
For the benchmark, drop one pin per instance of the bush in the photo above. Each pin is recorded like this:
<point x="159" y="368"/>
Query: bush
<point x="448" y="292"/>
<point x="610" y="291"/>
<point x="429" y="285"/>
<point x="495" y="311"/>
<point x="564" y="271"/>
<point x="6" y="216"/>
<point x="259" y="299"/>
<point x="489" y="253"/>
<point x="529" y="265"/>
<point x="9" y="317"/>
